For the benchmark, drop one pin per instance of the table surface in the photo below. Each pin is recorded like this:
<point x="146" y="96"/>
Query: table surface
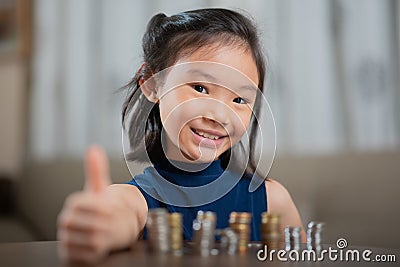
<point x="45" y="254"/>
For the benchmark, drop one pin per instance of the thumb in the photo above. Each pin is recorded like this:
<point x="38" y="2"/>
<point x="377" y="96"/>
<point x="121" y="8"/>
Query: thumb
<point x="97" y="170"/>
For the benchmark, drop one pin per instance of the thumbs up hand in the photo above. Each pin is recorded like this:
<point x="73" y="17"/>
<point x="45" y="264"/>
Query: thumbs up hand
<point x="97" y="171"/>
<point x="96" y="220"/>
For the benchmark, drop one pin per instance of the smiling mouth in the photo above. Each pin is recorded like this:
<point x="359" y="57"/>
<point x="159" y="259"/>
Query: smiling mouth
<point x="207" y="135"/>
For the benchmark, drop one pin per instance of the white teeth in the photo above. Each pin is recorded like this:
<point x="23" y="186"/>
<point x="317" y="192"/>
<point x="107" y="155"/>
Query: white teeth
<point x="206" y="135"/>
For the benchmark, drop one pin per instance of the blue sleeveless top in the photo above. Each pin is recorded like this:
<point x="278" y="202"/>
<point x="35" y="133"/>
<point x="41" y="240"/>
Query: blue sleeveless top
<point x="238" y="199"/>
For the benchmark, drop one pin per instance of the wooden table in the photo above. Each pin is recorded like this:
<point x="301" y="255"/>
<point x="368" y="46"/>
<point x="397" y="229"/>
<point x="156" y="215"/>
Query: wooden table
<point x="44" y="254"/>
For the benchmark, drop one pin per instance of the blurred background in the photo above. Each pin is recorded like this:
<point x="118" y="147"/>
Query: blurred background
<point x="333" y="86"/>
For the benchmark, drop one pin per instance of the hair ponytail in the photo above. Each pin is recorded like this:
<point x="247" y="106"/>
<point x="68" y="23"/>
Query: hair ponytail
<point x="153" y="38"/>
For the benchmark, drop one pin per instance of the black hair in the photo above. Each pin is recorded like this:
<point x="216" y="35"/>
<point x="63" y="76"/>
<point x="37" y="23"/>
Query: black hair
<point x="166" y="40"/>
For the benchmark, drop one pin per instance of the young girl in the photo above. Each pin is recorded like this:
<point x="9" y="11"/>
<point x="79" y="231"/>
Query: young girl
<point x="189" y="129"/>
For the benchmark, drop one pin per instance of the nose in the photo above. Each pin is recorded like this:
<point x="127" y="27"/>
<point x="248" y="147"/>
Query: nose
<point x="217" y="112"/>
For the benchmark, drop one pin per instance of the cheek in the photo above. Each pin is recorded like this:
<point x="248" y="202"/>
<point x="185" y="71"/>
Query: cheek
<point x="168" y="115"/>
<point x="242" y="121"/>
<point x="168" y="104"/>
<point x="176" y="113"/>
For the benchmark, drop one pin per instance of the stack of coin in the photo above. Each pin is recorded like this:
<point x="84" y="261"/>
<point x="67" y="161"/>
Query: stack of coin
<point x="176" y="233"/>
<point x="292" y="238"/>
<point x="229" y="240"/>
<point x="240" y="223"/>
<point x="158" y="230"/>
<point x="314" y="236"/>
<point x="270" y="230"/>
<point x="204" y="232"/>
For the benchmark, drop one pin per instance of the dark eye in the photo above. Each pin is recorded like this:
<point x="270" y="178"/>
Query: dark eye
<point x="199" y="88"/>
<point x="239" y="100"/>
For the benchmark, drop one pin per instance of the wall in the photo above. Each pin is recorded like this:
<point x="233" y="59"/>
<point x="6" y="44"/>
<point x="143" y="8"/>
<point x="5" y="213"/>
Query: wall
<point x="12" y="128"/>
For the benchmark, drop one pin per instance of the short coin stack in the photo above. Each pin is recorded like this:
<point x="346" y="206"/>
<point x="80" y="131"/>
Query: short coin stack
<point x="229" y="240"/>
<point x="204" y="232"/>
<point x="314" y="236"/>
<point x="270" y="230"/>
<point x="158" y="230"/>
<point x="292" y="238"/>
<point x="176" y="234"/>
<point x="240" y="223"/>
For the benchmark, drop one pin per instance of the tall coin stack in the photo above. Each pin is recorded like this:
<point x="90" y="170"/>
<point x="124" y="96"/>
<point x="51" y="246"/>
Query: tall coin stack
<point x="158" y="230"/>
<point x="204" y="232"/>
<point x="270" y="230"/>
<point x="240" y="223"/>
<point x="314" y="236"/>
<point x="176" y="234"/>
<point x="292" y="238"/>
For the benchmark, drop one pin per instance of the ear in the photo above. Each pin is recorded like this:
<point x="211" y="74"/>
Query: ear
<point x="147" y="83"/>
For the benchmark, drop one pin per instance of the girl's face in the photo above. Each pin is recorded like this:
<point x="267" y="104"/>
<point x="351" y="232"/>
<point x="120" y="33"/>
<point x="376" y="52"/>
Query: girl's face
<point x="204" y="119"/>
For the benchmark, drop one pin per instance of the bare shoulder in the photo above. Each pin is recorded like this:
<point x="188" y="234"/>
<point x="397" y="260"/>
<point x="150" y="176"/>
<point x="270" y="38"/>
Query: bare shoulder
<point x="129" y="192"/>
<point x="126" y="188"/>
<point x="132" y="196"/>
<point x="278" y="197"/>
<point x="280" y="202"/>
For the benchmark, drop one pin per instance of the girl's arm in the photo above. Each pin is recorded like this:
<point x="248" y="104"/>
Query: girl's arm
<point x="134" y="207"/>
<point x="280" y="202"/>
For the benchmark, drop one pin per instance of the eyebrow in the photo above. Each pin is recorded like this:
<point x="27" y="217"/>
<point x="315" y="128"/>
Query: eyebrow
<point x="213" y="79"/>
<point x="202" y="73"/>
